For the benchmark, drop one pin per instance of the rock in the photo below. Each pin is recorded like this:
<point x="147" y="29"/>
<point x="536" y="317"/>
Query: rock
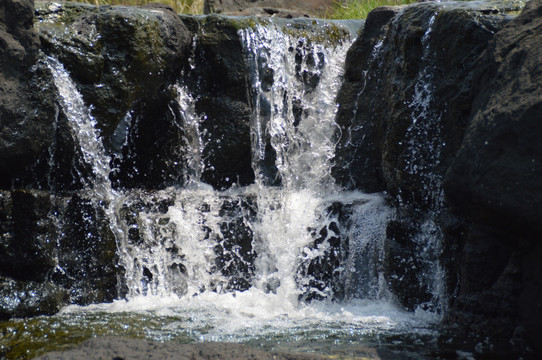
<point x="26" y="98"/>
<point x="357" y="162"/>
<point x="126" y="348"/>
<point x="27" y="235"/>
<point x="235" y="255"/>
<point x="30" y="298"/>
<point x="494" y="183"/>
<point x="118" y="56"/>
<point x="319" y="274"/>
<point x="498" y="163"/>
<point x="124" y="61"/>
<point x="219" y="80"/>
<point x="278" y="8"/>
<point x="403" y="109"/>
<point x="86" y="252"/>
<point x="401" y="90"/>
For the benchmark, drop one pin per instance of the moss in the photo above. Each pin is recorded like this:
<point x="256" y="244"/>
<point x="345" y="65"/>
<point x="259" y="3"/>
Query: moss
<point x="27" y="338"/>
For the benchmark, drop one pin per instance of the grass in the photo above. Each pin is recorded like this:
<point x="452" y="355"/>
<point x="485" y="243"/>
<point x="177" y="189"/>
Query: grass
<point x="180" y="6"/>
<point x="359" y="9"/>
<point x="342" y="9"/>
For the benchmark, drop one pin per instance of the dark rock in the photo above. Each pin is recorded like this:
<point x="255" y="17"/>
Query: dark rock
<point x="234" y="251"/>
<point x="403" y="264"/>
<point x="403" y="110"/>
<point x="26" y="98"/>
<point x="116" y="55"/>
<point x="27" y="235"/>
<point x="87" y="251"/>
<point x="494" y="183"/>
<point x="151" y="154"/>
<point x="124" y="62"/>
<point x="277" y="8"/>
<point x="405" y="99"/>
<point x="29" y="298"/>
<point x="320" y="272"/>
<point x="357" y="162"/>
<point x="495" y="176"/>
<point x="219" y="79"/>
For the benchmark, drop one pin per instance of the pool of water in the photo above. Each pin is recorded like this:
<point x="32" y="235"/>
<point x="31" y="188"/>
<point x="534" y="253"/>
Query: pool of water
<point x="355" y="330"/>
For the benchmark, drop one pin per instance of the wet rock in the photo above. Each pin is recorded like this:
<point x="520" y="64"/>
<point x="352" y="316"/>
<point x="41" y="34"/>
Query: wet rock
<point x="27" y="235"/>
<point x="152" y="150"/>
<point x="123" y="61"/>
<point x="27" y="108"/>
<point x="494" y="183"/>
<point x="234" y="251"/>
<point x="277" y="8"/>
<point x="30" y="298"/>
<point x="87" y="251"/>
<point x="403" y="265"/>
<point x="219" y="79"/>
<point x="405" y="101"/>
<point x="403" y="110"/>
<point x="117" y="56"/>
<point x="320" y="272"/>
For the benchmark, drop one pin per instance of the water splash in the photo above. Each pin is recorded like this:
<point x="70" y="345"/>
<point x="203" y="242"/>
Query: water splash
<point x="293" y="85"/>
<point x="85" y="130"/>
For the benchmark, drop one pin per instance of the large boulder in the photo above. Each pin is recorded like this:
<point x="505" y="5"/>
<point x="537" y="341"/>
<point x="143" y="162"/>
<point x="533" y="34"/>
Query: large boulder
<point x="26" y="97"/>
<point x="405" y="100"/>
<point x="494" y="183"/>
<point x="30" y="298"/>
<point x="26" y="235"/>
<point x="124" y="61"/>
<point x="403" y="109"/>
<point x="222" y="104"/>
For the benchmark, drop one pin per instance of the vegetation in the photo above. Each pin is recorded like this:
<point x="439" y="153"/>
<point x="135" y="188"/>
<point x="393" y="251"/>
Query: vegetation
<point x="342" y="9"/>
<point x="180" y="6"/>
<point x="359" y="9"/>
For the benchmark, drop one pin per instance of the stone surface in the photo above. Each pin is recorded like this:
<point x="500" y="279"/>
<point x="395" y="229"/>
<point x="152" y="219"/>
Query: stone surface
<point x="86" y="251"/>
<point x="30" y="298"/>
<point x="26" y="98"/>
<point x="494" y="183"/>
<point x="403" y="109"/>
<point x="278" y="8"/>
<point x="405" y="100"/>
<point x="219" y="80"/>
<point x="124" y="60"/>
<point x="125" y="348"/>
<point x="26" y="235"/>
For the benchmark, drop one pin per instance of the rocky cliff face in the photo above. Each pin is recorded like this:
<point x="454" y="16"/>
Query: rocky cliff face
<point x="55" y="241"/>
<point x="446" y="125"/>
<point x="26" y="116"/>
<point x="494" y="183"/>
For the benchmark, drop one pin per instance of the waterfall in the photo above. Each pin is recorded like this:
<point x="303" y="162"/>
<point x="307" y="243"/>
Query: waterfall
<point x="293" y="234"/>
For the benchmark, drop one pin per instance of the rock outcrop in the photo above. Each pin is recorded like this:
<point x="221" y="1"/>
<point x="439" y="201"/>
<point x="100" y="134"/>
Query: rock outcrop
<point x="494" y="184"/>
<point x="27" y="108"/>
<point x="56" y="245"/>
<point x="220" y="82"/>
<point x="450" y="132"/>
<point x="403" y="109"/>
<point x="123" y="61"/>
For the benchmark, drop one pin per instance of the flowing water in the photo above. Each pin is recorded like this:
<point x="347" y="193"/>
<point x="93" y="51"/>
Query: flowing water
<point x="290" y="262"/>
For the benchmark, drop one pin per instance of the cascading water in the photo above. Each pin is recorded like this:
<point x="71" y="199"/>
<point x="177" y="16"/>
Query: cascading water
<point x="289" y="253"/>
